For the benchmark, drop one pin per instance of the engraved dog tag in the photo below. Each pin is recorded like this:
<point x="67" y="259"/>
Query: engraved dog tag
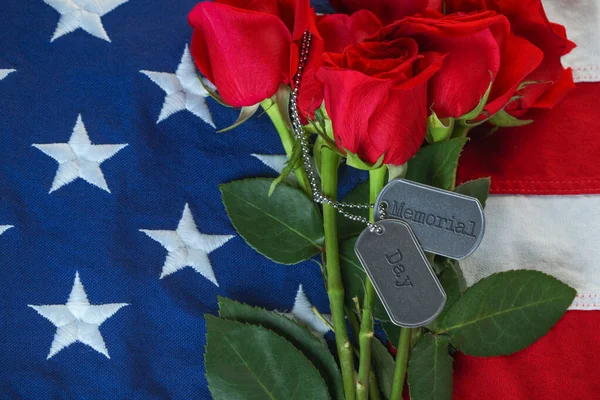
<point x="445" y="223"/>
<point x="401" y="274"/>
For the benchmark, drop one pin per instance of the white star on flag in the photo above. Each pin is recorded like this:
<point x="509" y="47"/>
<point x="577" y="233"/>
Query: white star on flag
<point x="4" y="73"/>
<point x="276" y="162"/>
<point x="183" y="90"/>
<point x="4" y="228"/>
<point x="303" y="313"/>
<point x="79" y="158"/>
<point x="84" y="14"/>
<point x="78" y="320"/>
<point x="188" y="247"/>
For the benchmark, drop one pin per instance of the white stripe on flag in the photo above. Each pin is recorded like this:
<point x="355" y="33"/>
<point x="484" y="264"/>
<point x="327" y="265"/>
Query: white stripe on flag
<point x="559" y="235"/>
<point x="581" y="19"/>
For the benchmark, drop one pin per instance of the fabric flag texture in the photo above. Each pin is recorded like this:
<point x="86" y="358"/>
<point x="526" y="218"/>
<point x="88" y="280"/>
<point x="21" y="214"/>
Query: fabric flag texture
<point x="544" y="214"/>
<point x="114" y="241"/>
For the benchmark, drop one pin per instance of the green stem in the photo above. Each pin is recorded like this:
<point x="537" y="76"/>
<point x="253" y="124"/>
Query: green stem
<point x="460" y="130"/>
<point x="287" y="139"/>
<point x="401" y="363"/>
<point x="353" y="321"/>
<point x="373" y="387"/>
<point x="374" y="393"/>
<point x="365" y="336"/>
<point x="335" y="289"/>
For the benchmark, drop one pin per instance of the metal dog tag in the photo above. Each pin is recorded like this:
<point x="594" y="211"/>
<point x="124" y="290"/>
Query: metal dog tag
<point x="401" y="274"/>
<point x="445" y="223"/>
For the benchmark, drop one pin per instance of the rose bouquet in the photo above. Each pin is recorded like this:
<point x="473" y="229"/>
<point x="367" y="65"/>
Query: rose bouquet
<point x="392" y="88"/>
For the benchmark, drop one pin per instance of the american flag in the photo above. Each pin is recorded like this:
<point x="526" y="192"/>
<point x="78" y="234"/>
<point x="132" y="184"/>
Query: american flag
<point x="114" y="238"/>
<point x="114" y="241"/>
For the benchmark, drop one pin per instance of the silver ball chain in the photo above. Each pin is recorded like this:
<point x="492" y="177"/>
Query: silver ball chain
<point x="319" y="197"/>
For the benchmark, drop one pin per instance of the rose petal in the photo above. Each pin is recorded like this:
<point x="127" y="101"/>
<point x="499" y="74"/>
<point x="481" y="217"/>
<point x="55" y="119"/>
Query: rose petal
<point x="465" y="75"/>
<point x="519" y="58"/>
<point x="557" y="91"/>
<point x="351" y="99"/>
<point x="401" y="122"/>
<point x="262" y="6"/>
<point x="399" y="128"/>
<point x="244" y="53"/>
<point x="386" y="10"/>
<point x="528" y="20"/>
<point x="340" y="30"/>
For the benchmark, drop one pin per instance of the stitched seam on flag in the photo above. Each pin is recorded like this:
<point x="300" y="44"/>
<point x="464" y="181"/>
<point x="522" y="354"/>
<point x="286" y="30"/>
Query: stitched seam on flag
<point x="547" y="191"/>
<point x="591" y="70"/>
<point x="249" y="369"/>
<point x="572" y="187"/>
<point x="580" y="306"/>
<point x="541" y="181"/>
<point x="500" y="313"/>
<point x="593" y="300"/>
<point x="582" y="186"/>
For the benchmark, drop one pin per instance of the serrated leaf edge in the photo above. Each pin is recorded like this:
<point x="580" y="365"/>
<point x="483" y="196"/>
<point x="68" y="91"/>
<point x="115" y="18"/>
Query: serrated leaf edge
<point x="320" y="248"/>
<point x="262" y="328"/>
<point x="448" y="330"/>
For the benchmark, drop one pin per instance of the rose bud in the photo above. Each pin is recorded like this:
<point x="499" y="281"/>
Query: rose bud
<point x="248" y="48"/>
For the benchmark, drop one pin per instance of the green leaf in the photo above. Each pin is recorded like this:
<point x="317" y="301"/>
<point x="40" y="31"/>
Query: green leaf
<point x="383" y="365"/>
<point x="506" y="312"/>
<point x="346" y="227"/>
<point x="503" y="119"/>
<point x="435" y="164"/>
<point x="313" y="348"/>
<point x="245" y="113"/>
<point x="430" y="369"/>
<point x="322" y="126"/>
<point x="353" y="277"/>
<point x="289" y="166"/>
<point x="354" y="161"/>
<point x="451" y="277"/>
<point x="478" y="188"/>
<point x="439" y="130"/>
<point x="320" y="116"/>
<point x="453" y="283"/>
<point x="250" y="362"/>
<point x="285" y="227"/>
<point x="324" y="121"/>
<point x="440" y="264"/>
<point x="482" y="102"/>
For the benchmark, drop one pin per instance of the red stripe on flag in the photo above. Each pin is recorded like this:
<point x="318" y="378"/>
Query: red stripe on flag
<point x="563" y="365"/>
<point x="557" y="154"/>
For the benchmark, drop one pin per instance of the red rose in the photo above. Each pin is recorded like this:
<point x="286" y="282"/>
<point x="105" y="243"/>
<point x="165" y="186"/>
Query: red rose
<point x="478" y="47"/>
<point x="335" y="32"/>
<point x="376" y="97"/>
<point x="386" y="10"/>
<point x="248" y="48"/>
<point x="528" y="20"/>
